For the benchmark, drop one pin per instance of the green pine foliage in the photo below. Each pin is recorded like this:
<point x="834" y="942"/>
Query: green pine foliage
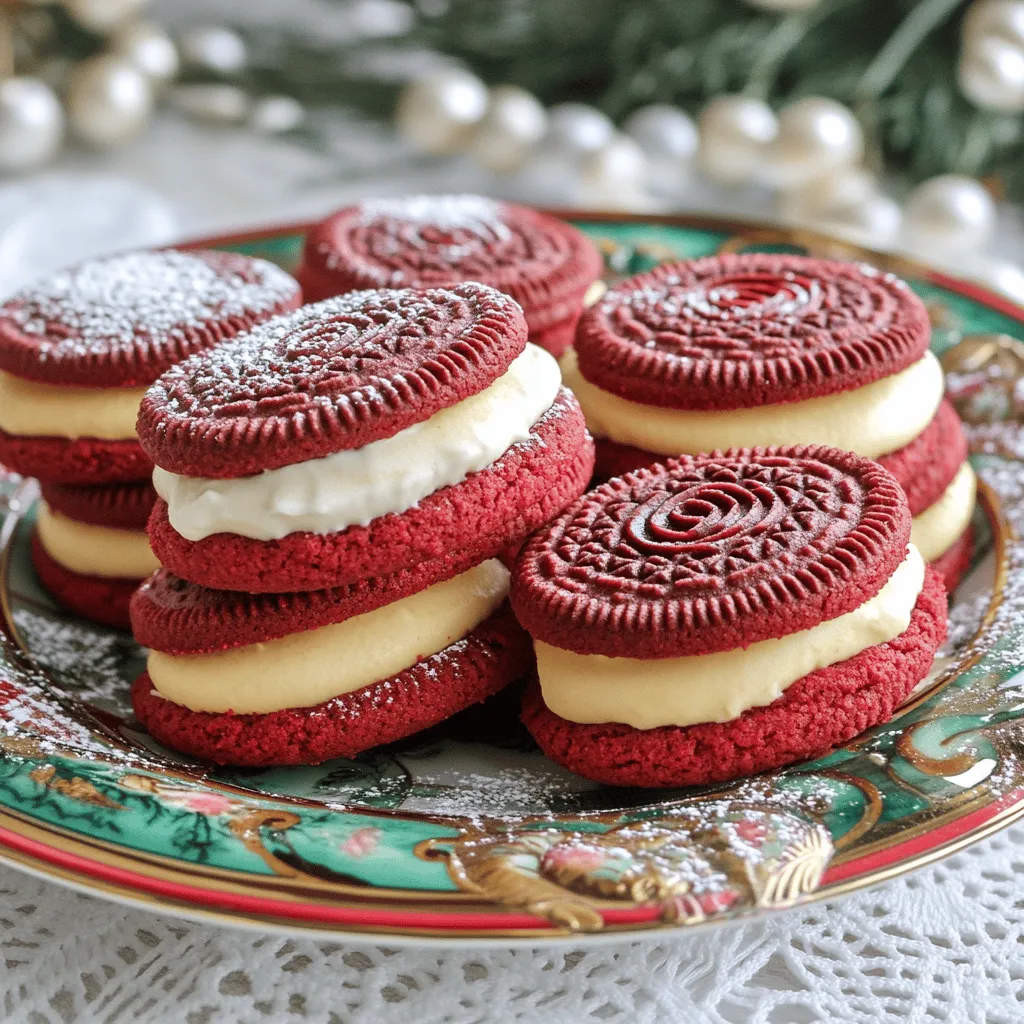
<point x="892" y="61"/>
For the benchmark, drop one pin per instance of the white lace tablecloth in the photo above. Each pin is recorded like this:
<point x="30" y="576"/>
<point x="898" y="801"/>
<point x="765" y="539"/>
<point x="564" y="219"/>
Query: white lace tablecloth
<point x="945" y="944"/>
<point x="941" y="945"/>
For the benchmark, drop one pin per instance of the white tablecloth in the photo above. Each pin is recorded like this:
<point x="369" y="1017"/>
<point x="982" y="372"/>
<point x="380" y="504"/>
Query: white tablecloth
<point x="944" y="944"/>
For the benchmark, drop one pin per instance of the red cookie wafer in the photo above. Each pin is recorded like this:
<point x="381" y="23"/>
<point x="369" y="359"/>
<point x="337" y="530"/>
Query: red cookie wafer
<point x="469" y="521"/>
<point x="96" y="598"/>
<point x="927" y="466"/>
<point x="713" y="552"/>
<point x="429" y="241"/>
<point x="735" y="331"/>
<point x="116" y="506"/>
<point x="82" y="461"/>
<point x="120" y="321"/>
<point x="331" y="376"/>
<point x="826" y="708"/>
<point x="493" y="655"/>
<point x="953" y="563"/>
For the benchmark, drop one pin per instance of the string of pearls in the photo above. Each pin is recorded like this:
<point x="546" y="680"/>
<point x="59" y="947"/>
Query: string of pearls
<point x="991" y="68"/>
<point x="109" y="97"/>
<point x="809" y="155"/>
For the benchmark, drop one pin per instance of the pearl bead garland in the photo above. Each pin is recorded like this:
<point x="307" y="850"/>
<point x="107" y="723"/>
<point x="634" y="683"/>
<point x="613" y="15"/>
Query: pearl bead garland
<point x="734" y="135"/>
<point x="948" y="215"/>
<point x="815" y="136"/>
<point x="991" y="68"/>
<point x="515" y="121"/>
<point x="31" y="123"/>
<point x="439" y="111"/>
<point x="109" y="100"/>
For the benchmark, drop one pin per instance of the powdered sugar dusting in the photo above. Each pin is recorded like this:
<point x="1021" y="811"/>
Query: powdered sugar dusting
<point x="109" y="305"/>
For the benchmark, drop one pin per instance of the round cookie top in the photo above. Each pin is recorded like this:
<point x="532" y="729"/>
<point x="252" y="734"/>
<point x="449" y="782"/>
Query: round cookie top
<point x="734" y="331"/>
<point x="431" y="241"/>
<point x="713" y="552"/>
<point x="120" y="321"/>
<point x="330" y="376"/>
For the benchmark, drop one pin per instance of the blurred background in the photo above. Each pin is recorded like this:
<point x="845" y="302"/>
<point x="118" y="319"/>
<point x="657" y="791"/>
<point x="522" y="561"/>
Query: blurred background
<point x="897" y="124"/>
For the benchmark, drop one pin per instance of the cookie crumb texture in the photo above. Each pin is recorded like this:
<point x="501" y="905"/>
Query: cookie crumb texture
<point x="331" y="376"/>
<point x="826" y="708"/>
<point x="80" y="461"/>
<point x="457" y="525"/>
<point x="713" y="552"/>
<point x="96" y="598"/>
<point x="735" y="331"/>
<point x="468" y="671"/>
<point x="120" y="321"/>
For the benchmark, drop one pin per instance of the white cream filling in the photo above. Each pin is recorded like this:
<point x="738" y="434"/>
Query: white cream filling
<point x="938" y="527"/>
<point x="872" y="420"/>
<point x="305" y="669"/>
<point x="652" y="692"/>
<point x="352" y="488"/>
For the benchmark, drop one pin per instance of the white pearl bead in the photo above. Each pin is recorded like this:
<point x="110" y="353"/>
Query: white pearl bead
<point x="1004" y="277"/>
<point x="274" y="115"/>
<point x="102" y="15"/>
<point x="149" y="48"/>
<point x="783" y="6"/>
<point x="31" y="123"/>
<point x="948" y="214"/>
<point x="213" y="48"/>
<point x="669" y="139"/>
<point x="734" y="131"/>
<point x="215" y="103"/>
<point x="815" y="136"/>
<point x="514" y="123"/>
<point x="991" y="73"/>
<point x="838" y="190"/>
<point x="109" y="100"/>
<point x="873" y="222"/>
<point x="615" y="175"/>
<point x="439" y="111"/>
<point x="577" y="129"/>
<point x="1002" y="18"/>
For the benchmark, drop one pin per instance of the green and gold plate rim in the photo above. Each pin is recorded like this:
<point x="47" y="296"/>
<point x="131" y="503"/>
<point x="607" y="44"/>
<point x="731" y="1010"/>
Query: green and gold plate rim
<point x="86" y="800"/>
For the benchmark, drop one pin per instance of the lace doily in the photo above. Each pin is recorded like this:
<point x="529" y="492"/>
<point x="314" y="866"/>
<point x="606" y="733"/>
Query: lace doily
<point x="943" y="944"/>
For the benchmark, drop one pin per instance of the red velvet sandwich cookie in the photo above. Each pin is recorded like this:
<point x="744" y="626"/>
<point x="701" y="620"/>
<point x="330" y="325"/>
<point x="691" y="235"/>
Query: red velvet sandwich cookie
<point x="436" y="241"/>
<point x="724" y="614"/>
<point x="768" y="349"/>
<point x="300" y="678"/>
<point x="78" y="349"/>
<point x="357" y="437"/>
<point x="90" y="547"/>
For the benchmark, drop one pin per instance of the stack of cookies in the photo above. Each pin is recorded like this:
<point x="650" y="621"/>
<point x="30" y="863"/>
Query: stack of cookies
<point x="76" y="355"/>
<point x="725" y="614"/>
<point x="335" y="489"/>
<point x="757" y="349"/>
<point x="546" y="265"/>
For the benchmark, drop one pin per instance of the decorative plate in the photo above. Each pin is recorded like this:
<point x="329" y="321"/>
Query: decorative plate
<point x="467" y="831"/>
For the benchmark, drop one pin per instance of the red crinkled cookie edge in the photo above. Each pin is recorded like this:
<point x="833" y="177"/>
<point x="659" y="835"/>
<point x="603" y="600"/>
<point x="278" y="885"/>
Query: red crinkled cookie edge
<point x="96" y="598"/>
<point x="584" y="608"/>
<point x="469" y="521"/>
<point x="823" y="710"/>
<point x="116" y="506"/>
<point x="330" y="269"/>
<point x="81" y="461"/>
<point x="641" y="372"/>
<point x="193" y="422"/>
<point x="493" y="655"/>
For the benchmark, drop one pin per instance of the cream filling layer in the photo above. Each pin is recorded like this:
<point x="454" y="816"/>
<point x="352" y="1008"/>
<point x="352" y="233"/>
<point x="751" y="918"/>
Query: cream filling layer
<point x="31" y="409"/>
<point x="95" y="550"/>
<point x="354" y="487"/>
<point x="648" y="693"/>
<point x="305" y="669"/>
<point x="938" y="527"/>
<point x="872" y="420"/>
